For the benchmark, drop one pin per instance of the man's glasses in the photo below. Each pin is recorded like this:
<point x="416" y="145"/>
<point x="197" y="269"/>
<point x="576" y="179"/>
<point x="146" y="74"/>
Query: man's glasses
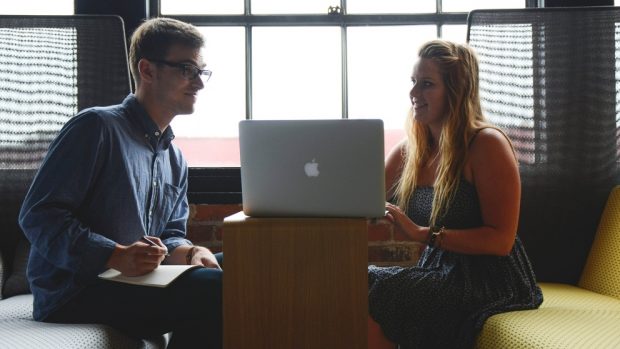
<point x="190" y="71"/>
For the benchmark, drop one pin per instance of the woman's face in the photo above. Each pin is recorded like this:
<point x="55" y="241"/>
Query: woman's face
<point x="428" y="94"/>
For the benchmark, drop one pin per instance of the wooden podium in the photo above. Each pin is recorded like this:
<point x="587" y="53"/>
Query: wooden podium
<point x="295" y="283"/>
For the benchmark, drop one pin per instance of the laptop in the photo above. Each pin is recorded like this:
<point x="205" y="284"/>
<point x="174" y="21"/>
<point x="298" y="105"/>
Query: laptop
<point x="312" y="168"/>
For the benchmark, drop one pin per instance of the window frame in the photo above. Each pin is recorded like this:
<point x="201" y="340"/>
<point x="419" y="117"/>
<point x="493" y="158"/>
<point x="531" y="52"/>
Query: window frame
<point x="222" y="185"/>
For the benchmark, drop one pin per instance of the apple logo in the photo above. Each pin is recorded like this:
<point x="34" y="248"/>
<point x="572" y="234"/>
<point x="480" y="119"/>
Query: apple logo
<point x="312" y="168"/>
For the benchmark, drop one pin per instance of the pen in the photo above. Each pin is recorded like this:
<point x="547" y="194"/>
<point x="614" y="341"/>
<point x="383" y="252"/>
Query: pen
<point x="152" y="243"/>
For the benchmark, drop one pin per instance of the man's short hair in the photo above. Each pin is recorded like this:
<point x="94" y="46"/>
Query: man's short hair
<point x="153" y="39"/>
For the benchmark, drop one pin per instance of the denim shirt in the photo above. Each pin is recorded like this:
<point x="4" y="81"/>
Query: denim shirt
<point x="109" y="177"/>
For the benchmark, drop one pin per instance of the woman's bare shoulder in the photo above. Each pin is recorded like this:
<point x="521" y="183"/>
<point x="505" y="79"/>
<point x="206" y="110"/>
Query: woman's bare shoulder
<point x="490" y="140"/>
<point x="394" y="165"/>
<point x="396" y="156"/>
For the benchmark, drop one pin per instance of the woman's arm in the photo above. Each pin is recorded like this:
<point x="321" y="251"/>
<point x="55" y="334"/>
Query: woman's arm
<point x="394" y="167"/>
<point x="495" y="175"/>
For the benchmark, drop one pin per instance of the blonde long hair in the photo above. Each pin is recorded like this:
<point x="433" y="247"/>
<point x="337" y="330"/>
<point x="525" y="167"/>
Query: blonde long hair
<point x="459" y="68"/>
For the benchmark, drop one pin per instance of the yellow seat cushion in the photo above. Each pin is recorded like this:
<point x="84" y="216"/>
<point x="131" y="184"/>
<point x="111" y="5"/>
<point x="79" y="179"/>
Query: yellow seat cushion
<point x="570" y="317"/>
<point x="562" y="296"/>
<point x="587" y="316"/>
<point x="601" y="272"/>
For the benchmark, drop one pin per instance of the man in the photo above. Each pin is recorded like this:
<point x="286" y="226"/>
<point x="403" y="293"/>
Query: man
<point x="112" y="177"/>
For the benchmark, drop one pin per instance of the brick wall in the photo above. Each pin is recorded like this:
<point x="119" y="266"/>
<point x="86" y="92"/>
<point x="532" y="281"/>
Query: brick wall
<point x="385" y="246"/>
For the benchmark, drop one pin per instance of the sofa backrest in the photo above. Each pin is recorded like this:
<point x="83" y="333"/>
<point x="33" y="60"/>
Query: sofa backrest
<point x="601" y="273"/>
<point x="549" y="78"/>
<point x="50" y="67"/>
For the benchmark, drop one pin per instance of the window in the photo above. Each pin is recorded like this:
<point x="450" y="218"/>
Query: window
<point x="271" y="7"/>
<point x="390" y="6"/>
<point x="209" y="136"/>
<point x="454" y="32"/>
<point x="37" y="7"/>
<point x="379" y="77"/>
<point x="212" y="7"/>
<point x="304" y="59"/>
<point x="466" y="6"/>
<point x="296" y="72"/>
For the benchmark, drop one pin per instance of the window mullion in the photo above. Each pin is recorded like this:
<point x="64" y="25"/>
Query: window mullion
<point x="247" y="11"/>
<point x="345" y="69"/>
<point x="439" y="25"/>
<point x="248" y="71"/>
<point x="323" y="20"/>
<point x="344" y="73"/>
<point x="534" y="3"/>
<point x="153" y="8"/>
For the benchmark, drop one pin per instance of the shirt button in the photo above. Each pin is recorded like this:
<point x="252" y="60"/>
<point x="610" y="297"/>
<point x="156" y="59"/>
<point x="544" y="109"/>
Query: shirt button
<point x="146" y="135"/>
<point x="156" y="133"/>
<point x="154" y="183"/>
<point x="150" y="213"/>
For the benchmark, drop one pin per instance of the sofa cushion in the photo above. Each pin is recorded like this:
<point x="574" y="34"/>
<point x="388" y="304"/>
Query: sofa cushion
<point x="601" y="272"/>
<point x="568" y="317"/>
<point x="18" y="330"/>
<point x="562" y="296"/>
<point x="18" y="307"/>
<point x="551" y="328"/>
<point x="17" y="281"/>
<point x="20" y="333"/>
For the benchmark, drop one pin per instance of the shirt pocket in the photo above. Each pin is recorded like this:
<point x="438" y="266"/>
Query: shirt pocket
<point x="167" y="200"/>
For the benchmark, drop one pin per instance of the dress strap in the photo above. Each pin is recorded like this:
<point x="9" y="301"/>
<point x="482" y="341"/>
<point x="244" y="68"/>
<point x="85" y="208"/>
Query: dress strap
<point x="495" y="128"/>
<point x="476" y="134"/>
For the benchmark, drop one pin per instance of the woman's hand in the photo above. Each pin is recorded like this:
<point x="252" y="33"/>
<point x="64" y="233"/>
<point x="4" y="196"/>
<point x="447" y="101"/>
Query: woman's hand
<point x="405" y="225"/>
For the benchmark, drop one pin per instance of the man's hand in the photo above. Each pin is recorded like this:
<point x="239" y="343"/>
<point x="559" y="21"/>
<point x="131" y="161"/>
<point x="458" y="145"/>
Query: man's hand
<point x="202" y="256"/>
<point x="136" y="259"/>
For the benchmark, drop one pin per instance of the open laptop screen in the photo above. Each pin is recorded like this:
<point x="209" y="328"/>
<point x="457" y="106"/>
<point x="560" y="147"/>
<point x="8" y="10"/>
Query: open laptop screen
<point x="312" y="168"/>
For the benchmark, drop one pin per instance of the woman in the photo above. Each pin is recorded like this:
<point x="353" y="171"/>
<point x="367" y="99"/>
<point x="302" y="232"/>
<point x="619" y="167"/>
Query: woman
<point x="455" y="186"/>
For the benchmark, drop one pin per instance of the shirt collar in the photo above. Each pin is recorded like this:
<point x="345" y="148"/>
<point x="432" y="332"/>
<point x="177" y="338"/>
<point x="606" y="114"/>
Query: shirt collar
<point x="146" y="125"/>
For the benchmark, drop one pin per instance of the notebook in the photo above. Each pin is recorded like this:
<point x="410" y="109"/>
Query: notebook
<point x="162" y="276"/>
<point x="312" y="168"/>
